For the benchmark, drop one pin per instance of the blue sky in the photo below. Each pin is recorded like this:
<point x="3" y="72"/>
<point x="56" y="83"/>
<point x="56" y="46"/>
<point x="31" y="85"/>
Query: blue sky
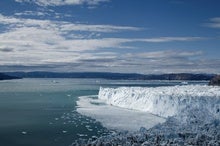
<point x="130" y="36"/>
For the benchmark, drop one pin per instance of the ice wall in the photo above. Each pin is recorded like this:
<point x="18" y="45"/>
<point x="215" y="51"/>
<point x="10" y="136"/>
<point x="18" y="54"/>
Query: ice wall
<point x="164" y="101"/>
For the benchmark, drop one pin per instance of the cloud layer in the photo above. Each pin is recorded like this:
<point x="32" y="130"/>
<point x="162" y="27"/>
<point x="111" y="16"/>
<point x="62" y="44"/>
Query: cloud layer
<point x="62" y="2"/>
<point x="38" y="44"/>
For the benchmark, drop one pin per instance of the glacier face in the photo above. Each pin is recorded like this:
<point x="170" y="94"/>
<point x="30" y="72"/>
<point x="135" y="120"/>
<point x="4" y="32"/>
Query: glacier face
<point x="164" y="101"/>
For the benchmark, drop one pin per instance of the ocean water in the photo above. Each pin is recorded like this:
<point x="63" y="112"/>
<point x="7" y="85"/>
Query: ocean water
<point x="38" y="112"/>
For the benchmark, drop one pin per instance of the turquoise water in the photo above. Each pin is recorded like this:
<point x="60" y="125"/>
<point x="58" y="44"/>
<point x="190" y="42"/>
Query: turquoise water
<point x="38" y="112"/>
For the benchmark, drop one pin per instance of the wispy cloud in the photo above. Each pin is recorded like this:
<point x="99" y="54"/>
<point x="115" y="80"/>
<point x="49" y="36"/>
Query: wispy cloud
<point x="63" y="2"/>
<point x="214" y="23"/>
<point x="30" y="13"/>
<point x="169" y="54"/>
<point x="171" y="39"/>
<point x="169" y="61"/>
<point x="61" y="45"/>
<point x="42" y="13"/>
<point x="62" y="26"/>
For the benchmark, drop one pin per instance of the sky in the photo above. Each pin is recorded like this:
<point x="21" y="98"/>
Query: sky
<point x="125" y="36"/>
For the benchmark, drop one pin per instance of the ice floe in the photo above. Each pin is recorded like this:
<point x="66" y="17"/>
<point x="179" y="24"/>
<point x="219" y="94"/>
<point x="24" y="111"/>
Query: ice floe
<point x="114" y="117"/>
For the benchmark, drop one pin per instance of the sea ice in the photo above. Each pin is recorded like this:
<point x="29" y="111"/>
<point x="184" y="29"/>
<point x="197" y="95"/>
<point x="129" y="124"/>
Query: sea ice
<point x="114" y="117"/>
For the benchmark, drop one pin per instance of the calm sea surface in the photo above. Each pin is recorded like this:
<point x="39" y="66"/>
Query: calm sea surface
<point x="42" y="112"/>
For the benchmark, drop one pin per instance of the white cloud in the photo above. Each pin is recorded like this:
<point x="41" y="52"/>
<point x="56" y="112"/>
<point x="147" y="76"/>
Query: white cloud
<point x="62" y="26"/>
<point x="171" y="39"/>
<point x="42" y="41"/>
<point x="169" y="61"/>
<point x="169" y="54"/>
<point x="63" y="2"/>
<point x="31" y="13"/>
<point x="60" y="46"/>
<point x="214" y="23"/>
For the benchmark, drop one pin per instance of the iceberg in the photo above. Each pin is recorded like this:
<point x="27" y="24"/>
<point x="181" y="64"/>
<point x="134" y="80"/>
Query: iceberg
<point x="164" y="101"/>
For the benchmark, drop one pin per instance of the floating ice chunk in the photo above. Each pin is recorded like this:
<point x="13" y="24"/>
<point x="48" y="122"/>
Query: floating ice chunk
<point x="24" y="132"/>
<point x="82" y="135"/>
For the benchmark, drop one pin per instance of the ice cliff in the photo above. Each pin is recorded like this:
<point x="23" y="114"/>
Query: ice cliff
<point x="164" y="101"/>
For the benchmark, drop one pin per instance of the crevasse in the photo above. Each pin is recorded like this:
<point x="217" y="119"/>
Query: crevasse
<point x="164" y="101"/>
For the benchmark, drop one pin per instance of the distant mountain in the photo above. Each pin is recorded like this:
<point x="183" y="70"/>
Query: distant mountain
<point x="76" y="75"/>
<point x="180" y="76"/>
<point x="7" y="77"/>
<point x="115" y="76"/>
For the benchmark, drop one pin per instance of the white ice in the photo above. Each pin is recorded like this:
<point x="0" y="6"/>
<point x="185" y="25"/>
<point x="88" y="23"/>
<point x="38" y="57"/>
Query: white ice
<point x="129" y="108"/>
<point x="164" y="101"/>
<point x="192" y="110"/>
<point x="114" y="117"/>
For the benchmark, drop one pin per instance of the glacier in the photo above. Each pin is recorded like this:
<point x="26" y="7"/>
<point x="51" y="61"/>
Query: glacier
<point x="164" y="101"/>
<point x="192" y="115"/>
